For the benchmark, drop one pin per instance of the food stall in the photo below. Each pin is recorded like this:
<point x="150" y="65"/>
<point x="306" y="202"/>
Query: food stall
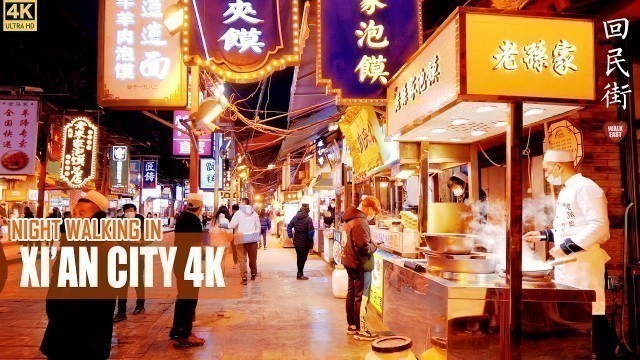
<point x="474" y="79"/>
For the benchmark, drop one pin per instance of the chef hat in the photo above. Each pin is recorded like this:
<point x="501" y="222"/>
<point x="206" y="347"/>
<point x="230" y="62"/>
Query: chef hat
<point x="558" y="156"/>
<point x="462" y="176"/>
<point x="194" y="200"/>
<point x="100" y="200"/>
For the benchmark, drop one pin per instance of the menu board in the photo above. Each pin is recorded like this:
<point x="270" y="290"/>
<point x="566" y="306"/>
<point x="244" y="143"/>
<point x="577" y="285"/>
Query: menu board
<point x="18" y="137"/>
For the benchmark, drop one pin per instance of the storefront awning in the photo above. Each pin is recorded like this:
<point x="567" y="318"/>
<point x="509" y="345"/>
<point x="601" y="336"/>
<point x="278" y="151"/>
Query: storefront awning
<point x="311" y="128"/>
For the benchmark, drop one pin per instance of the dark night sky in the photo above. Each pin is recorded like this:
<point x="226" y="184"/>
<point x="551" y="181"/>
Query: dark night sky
<point x="61" y="58"/>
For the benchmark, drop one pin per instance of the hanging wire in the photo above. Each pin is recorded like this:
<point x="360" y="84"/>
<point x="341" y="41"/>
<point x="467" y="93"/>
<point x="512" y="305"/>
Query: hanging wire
<point x="487" y="156"/>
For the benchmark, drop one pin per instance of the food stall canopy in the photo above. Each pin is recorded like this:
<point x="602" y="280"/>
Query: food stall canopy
<point x="314" y="126"/>
<point x="457" y="86"/>
<point x="324" y="181"/>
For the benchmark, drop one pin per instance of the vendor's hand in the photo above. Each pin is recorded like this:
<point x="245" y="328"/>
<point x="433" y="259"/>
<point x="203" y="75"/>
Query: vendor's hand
<point x="557" y="252"/>
<point x="531" y="237"/>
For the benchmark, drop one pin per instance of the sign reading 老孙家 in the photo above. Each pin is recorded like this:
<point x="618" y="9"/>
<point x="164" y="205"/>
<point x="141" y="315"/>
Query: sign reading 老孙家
<point x="119" y="167"/>
<point x="20" y="15"/>
<point x="243" y="41"/>
<point x="79" y="150"/>
<point x="139" y="63"/>
<point x="18" y="137"/>
<point x="563" y="135"/>
<point x="362" y="43"/>
<point x="356" y="125"/>
<point x="527" y="56"/>
<point x="182" y="141"/>
<point x="207" y="174"/>
<point x="149" y="174"/>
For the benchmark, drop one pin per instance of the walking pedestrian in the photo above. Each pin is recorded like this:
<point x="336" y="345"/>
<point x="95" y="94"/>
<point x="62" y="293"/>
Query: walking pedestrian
<point x="357" y="258"/>
<point x="301" y="230"/>
<point x="188" y="235"/>
<point x="245" y="238"/>
<point x="265" y="225"/>
<point x="218" y="235"/>
<point x="130" y="212"/>
<point x="81" y="319"/>
<point x="28" y="214"/>
<point x="55" y="213"/>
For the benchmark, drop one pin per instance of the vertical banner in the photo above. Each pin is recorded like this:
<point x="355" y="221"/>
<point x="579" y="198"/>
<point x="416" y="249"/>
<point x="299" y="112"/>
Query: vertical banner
<point x="149" y="174"/>
<point x="139" y="63"/>
<point x="182" y="141"/>
<point x="79" y="151"/>
<point x="119" y="167"/>
<point x="135" y="167"/>
<point x="207" y="174"/>
<point x="18" y="137"/>
<point x="363" y="43"/>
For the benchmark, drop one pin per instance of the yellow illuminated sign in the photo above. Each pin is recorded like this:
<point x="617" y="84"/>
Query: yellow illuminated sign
<point x="358" y="127"/>
<point x="524" y="56"/>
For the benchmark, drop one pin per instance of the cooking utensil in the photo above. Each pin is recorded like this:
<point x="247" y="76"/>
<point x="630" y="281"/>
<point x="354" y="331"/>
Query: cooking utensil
<point x="450" y="243"/>
<point x="546" y="267"/>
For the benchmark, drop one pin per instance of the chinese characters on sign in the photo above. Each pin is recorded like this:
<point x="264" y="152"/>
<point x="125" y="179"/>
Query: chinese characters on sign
<point x="535" y="57"/>
<point x="135" y="167"/>
<point x="358" y="130"/>
<point x="362" y="45"/>
<point x="119" y="168"/>
<point x="616" y="93"/>
<point x="242" y="41"/>
<point x="207" y="174"/>
<point x="418" y="84"/>
<point x="182" y="141"/>
<point x="149" y="174"/>
<point x="79" y="150"/>
<point x="140" y="63"/>
<point x="321" y="147"/>
<point x="18" y="136"/>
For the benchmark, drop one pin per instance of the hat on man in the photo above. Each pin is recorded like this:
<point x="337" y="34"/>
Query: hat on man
<point x="558" y="156"/>
<point x="462" y="176"/>
<point x="98" y="199"/>
<point x="305" y="207"/>
<point x="194" y="200"/>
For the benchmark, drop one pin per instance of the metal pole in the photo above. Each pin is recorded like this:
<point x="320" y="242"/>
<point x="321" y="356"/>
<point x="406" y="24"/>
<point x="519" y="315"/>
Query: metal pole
<point x="510" y="339"/>
<point x="194" y="157"/>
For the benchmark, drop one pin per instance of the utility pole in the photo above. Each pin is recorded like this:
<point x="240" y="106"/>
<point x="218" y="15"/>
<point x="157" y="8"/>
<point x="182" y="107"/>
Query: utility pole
<point x="194" y="157"/>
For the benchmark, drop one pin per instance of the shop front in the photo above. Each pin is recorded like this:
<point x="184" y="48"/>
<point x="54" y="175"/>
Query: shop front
<point x="480" y="79"/>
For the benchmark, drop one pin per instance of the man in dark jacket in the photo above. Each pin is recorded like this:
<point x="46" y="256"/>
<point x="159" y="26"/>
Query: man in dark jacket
<point x="80" y="319"/>
<point x="188" y="235"/>
<point x="357" y="258"/>
<point x="301" y="230"/>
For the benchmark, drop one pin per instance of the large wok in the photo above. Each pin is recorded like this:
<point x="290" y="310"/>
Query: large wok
<point x="450" y="243"/>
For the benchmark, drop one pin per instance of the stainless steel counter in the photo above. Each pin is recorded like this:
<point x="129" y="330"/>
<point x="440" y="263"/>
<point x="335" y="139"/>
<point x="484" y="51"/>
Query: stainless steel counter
<point x="467" y="314"/>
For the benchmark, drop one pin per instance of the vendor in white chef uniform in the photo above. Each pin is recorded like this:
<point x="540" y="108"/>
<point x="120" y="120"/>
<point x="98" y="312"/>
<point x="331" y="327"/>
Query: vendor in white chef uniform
<point x="581" y="225"/>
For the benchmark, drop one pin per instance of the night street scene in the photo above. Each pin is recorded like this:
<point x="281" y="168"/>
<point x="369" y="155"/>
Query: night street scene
<point x="320" y="179"/>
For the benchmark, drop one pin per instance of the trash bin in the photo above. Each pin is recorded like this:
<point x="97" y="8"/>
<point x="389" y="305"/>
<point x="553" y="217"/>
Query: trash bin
<point x="391" y="348"/>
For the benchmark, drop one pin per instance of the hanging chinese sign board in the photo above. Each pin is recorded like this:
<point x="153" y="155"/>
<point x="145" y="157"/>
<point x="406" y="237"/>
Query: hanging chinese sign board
<point x="563" y="135"/>
<point x="149" y="174"/>
<point x="18" y="137"/>
<point x="79" y="150"/>
<point x="492" y="56"/>
<point x="135" y="167"/>
<point x="362" y="43"/>
<point x="357" y="126"/>
<point x="321" y="147"/>
<point x="182" y="140"/>
<point x="242" y="41"/>
<point x="119" y="167"/>
<point x="139" y="63"/>
<point x="207" y="174"/>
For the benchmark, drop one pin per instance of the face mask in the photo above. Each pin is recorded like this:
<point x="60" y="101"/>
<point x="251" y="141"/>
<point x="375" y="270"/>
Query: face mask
<point x="553" y="180"/>
<point x="458" y="191"/>
<point x="129" y="214"/>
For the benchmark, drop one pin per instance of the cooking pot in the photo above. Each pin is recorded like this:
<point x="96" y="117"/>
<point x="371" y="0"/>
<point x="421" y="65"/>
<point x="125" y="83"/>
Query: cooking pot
<point x="450" y="243"/>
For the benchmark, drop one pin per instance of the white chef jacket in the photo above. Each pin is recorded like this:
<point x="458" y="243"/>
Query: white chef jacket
<point x="581" y="225"/>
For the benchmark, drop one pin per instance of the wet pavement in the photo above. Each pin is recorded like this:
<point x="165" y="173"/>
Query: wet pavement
<point x="278" y="317"/>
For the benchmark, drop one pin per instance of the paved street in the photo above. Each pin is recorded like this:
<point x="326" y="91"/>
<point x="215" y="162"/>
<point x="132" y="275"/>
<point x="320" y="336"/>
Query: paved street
<point x="279" y="317"/>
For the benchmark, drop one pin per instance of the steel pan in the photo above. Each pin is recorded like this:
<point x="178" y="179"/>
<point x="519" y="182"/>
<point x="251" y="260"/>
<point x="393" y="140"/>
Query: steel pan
<point x="450" y="243"/>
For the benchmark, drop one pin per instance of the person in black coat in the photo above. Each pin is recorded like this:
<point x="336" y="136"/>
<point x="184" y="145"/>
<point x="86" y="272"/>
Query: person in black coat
<point x="81" y="319"/>
<point x="301" y="230"/>
<point x="188" y="235"/>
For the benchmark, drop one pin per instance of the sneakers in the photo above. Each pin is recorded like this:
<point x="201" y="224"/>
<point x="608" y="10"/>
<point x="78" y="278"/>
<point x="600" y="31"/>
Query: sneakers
<point x="138" y="311"/>
<point x="244" y="281"/>
<point x="190" y="341"/>
<point x="302" y="277"/>
<point x="351" y="330"/>
<point x="120" y="316"/>
<point x="365" y="336"/>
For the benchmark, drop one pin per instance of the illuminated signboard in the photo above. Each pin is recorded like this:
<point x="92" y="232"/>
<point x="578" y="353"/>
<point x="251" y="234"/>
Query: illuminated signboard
<point x="207" y="174"/>
<point x="182" y="141"/>
<point x="79" y="150"/>
<point x="139" y="63"/>
<point x="356" y="125"/>
<point x="119" y="167"/>
<point x="321" y="147"/>
<point x="242" y="41"/>
<point x="361" y="45"/>
<point x="18" y="137"/>
<point x="149" y="174"/>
